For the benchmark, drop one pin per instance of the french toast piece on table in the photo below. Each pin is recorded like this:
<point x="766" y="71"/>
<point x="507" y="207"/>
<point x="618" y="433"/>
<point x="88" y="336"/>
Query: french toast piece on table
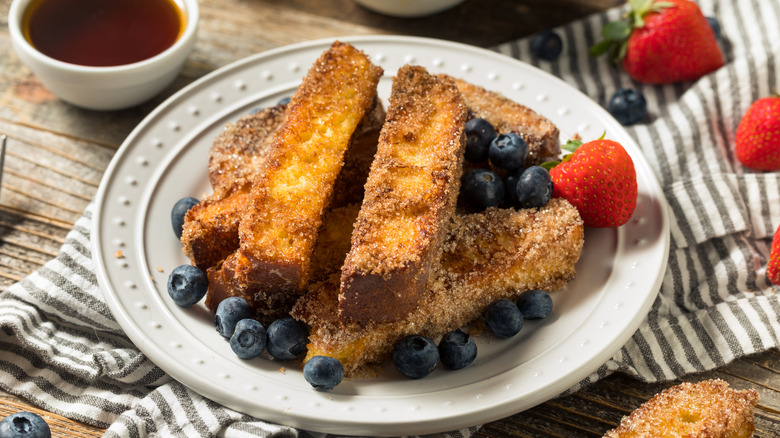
<point x="708" y="409"/>
<point x="410" y="195"/>
<point x="498" y="253"/>
<point x="506" y="115"/>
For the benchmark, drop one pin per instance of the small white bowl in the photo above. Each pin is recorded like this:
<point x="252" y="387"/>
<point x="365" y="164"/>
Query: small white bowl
<point x="105" y="88"/>
<point x="408" y="8"/>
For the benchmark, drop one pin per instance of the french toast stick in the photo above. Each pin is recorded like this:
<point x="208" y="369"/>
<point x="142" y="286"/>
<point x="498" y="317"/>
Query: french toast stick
<point x="706" y="409"/>
<point x="292" y="191"/>
<point x="410" y="194"/>
<point x="498" y="253"/>
<point x="210" y="231"/>
<point x="268" y="305"/>
<point x="506" y="115"/>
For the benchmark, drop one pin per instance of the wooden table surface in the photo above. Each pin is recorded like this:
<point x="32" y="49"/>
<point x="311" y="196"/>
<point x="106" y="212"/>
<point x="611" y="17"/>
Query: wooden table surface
<point x="57" y="154"/>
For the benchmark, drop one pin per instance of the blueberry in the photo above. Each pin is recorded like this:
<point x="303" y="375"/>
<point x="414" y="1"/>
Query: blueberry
<point x="503" y="318"/>
<point x="284" y="100"/>
<point x="479" y="134"/>
<point x="534" y="187"/>
<point x="415" y="356"/>
<point x="24" y="425"/>
<point x="180" y="208"/>
<point x="715" y="25"/>
<point x="482" y="188"/>
<point x="457" y="349"/>
<point x="248" y="339"/>
<point x="187" y="285"/>
<point x="323" y="372"/>
<point x="229" y="312"/>
<point x="508" y="151"/>
<point x="628" y="106"/>
<point x="286" y="338"/>
<point x="547" y="45"/>
<point x="535" y="304"/>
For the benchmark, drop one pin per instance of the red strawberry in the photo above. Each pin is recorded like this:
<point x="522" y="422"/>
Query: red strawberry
<point x="773" y="267"/>
<point x="600" y="180"/>
<point x="662" y="41"/>
<point x="758" y="135"/>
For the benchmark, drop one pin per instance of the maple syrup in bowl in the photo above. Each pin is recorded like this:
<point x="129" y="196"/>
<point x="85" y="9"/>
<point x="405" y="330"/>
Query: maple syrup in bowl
<point x="104" y="54"/>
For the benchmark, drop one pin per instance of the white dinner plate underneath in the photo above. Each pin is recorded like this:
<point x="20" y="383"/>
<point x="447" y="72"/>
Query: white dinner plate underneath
<point x="165" y="159"/>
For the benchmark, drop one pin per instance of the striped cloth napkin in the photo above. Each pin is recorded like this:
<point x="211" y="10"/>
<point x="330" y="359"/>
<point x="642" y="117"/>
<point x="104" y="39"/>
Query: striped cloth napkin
<point x="63" y="351"/>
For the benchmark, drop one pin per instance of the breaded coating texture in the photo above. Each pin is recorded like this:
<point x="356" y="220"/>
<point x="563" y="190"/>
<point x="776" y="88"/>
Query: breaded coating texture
<point x="708" y="409"/>
<point x="210" y="231"/>
<point x="290" y="195"/>
<point x="506" y="116"/>
<point x="410" y="194"/>
<point x="498" y="253"/>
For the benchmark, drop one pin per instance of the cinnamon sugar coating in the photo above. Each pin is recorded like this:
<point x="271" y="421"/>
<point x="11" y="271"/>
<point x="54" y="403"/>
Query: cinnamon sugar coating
<point x="506" y="115"/>
<point x="410" y="194"/>
<point x="210" y="231"/>
<point x="708" y="409"/>
<point x="292" y="190"/>
<point x="496" y="254"/>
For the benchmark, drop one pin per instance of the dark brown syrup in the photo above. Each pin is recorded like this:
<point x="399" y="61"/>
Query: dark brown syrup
<point x="103" y="33"/>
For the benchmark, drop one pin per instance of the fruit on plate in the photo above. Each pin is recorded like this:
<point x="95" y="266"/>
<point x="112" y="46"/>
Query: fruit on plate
<point x="662" y="41"/>
<point x="758" y="135"/>
<point x="598" y="178"/>
<point x="187" y="285"/>
<point x="773" y="267"/>
<point x="503" y="318"/>
<point x="457" y="349"/>
<point x="323" y="372"/>
<point x="415" y="356"/>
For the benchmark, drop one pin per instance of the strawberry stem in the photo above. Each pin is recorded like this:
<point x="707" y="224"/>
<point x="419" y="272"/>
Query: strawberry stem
<point x="617" y="33"/>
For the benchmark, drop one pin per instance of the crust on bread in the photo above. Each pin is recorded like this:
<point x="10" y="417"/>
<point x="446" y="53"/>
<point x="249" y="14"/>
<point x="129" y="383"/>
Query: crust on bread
<point x="410" y="194"/>
<point x="506" y="115"/>
<point x="708" y="409"/>
<point x="210" y="231"/>
<point x="293" y="190"/>
<point x="498" y="253"/>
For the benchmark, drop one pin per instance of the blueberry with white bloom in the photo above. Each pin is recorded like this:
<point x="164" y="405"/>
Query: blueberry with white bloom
<point x="229" y="312"/>
<point x="248" y="339"/>
<point x="479" y="134"/>
<point x="503" y="318"/>
<point x="179" y="210"/>
<point x="187" y="285"/>
<point x="286" y="338"/>
<point x="457" y="349"/>
<point x="534" y="187"/>
<point x="535" y="304"/>
<point x="482" y="188"/>
<point x="24" y="425"/>
<point x="508" y="151"/>
<point x="323" y="372"/>
<point x="415" y="356"/>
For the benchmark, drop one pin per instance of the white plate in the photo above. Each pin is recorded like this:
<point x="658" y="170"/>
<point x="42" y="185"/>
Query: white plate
<point x="165" y="159"/>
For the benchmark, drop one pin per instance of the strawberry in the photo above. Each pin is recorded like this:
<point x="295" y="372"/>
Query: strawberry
<point x="662" y="41"/>
<point x="773" y="267"/>
<point x="757" y="142"/>
<point x="600" y="180"/>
